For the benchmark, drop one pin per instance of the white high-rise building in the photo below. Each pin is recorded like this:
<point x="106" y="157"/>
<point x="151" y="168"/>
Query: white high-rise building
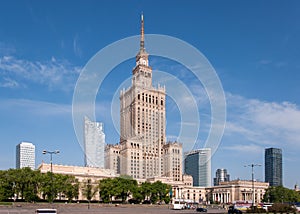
<point x="197" y="163"/>
<point x="94" y="143"/>
<point x="25" y="155"/>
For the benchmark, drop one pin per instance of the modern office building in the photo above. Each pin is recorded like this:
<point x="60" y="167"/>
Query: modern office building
<point x="25" y="155"/>
<point x="94" y="143"/>
<point x="197" y="163"/>
<point x="273" y="166"/>
<point x="143" y="150"/>
<point x="221" y="176"/>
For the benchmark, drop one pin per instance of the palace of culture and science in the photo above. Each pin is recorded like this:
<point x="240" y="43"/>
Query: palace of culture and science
<point x="143" y="151"/>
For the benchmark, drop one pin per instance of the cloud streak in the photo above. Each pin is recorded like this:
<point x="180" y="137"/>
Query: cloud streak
<point x="265" y="124"/>
<point x="54" y="74"/>
<point x="34" y="107"/>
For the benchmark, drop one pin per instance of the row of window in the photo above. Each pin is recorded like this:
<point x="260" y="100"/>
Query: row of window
<point x="149" y="99"/>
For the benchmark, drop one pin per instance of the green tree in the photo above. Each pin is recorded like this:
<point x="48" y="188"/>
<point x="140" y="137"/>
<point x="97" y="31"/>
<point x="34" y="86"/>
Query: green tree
<point x="6" y="186"/>
<point x="107" y="189"/>
<point x="48" y="186"/>
<point x="67" y="185"/>
<point x="31" y="185"/>
<point x="160" y="192"/>
<point x="26" y="183"/>
<point x="124" y="187"/>
<point x="88" y="189"/>
<point x="71" y="189"/>
<point x="146" y="190"/>
<point x="137" y="195"/>
<point x="19" y="183"/>
<point x="281" y="194"/>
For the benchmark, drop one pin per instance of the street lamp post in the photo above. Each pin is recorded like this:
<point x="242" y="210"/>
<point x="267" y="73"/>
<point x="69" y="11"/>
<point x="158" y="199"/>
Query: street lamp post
<point x="51" y="169"/>
<point x="252" y="166"/>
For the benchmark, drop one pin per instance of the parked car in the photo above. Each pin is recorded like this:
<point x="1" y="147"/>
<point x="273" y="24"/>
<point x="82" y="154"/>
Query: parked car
<point x="201" y="209"/>
<point x="46" y="211"/>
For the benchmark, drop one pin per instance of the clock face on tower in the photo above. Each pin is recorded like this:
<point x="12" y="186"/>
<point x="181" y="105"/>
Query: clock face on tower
<point x="142" y="61"/>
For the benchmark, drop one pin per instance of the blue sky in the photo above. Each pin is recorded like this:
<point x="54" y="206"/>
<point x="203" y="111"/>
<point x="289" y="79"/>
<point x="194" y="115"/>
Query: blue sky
<point x="253" y="46"/>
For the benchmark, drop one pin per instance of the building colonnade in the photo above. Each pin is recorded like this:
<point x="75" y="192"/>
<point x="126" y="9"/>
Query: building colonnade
<point x="223" y="197"/>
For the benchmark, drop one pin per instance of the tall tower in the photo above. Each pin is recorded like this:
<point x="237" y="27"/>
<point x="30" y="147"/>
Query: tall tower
<point x="273" y="166"/>
<point x="142" y="121"/>
<point x="25" y="155"/>
<point x="94" y="142"/>
<point x="197" y="163"/>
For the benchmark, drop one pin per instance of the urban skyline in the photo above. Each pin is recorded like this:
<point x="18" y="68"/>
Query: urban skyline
<point x="254" y="56"/>
<point x="112" y="162"/>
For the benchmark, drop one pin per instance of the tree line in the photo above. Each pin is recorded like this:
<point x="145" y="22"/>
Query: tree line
<point x="280" y="194"/>
<point x="32" y="185"/>
<point x="122" y="187"/>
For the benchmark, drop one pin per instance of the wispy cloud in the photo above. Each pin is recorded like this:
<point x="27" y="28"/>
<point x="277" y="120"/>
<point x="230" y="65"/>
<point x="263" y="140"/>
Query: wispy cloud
<point x="252" y="148"/>
<point x="54" y="74"/>
<point x="275" y="64"/>
<point x="76" y="47"/>
<point x="263" y="123"/>
<point x="8" y="83"/>
<point x="35" y="107"/>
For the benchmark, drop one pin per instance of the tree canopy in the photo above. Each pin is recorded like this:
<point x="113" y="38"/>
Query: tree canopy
<point x="27" y="184"/>
<point x="121" y="188"/>
<point x="280" y="194"/>
<point x="32" y="185"/>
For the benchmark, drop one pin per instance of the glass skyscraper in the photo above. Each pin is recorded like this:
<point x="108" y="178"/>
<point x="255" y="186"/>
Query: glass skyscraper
<point x="221" y="176"/>
<point x="94" y="142"/>
<point x="273" y="166"/>
<point x="197" y="163"/>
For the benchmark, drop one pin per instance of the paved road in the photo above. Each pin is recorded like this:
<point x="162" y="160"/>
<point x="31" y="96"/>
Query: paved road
<point x="134" y="209"/>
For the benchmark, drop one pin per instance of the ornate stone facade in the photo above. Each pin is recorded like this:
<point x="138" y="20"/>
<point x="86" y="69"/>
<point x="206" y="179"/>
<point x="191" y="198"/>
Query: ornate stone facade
<point x="143" y="150"/>
<point x="238" y="190"/>
<point x="112" y="158"/>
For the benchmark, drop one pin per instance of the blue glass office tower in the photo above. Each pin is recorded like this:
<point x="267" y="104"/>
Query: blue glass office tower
<point x="197" y="163"/>
<point x="273" y="166"/>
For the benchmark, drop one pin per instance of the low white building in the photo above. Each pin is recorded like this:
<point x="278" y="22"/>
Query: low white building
<point x="226" y="192"/>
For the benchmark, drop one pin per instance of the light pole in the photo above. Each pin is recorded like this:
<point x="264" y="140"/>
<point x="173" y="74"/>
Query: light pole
<point x="51" y="169"/>
<point x="252" y="166"/>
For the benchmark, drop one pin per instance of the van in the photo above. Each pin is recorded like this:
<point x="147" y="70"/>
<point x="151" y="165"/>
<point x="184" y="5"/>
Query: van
<point x="46" y="211"/>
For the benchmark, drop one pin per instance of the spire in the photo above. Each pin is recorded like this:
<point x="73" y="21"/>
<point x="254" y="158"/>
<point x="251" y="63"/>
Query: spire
<point x="142" y="56"/>
<point x="142" y="42"/>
